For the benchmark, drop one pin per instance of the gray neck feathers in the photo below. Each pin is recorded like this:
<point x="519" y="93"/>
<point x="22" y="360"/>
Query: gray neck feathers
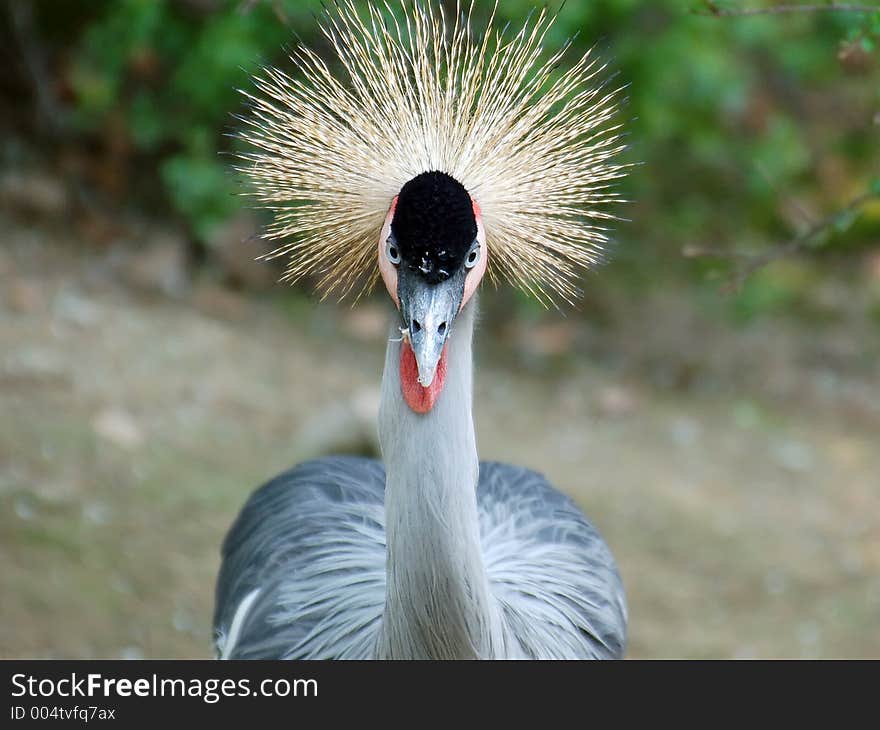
<point x="437" y="603"/>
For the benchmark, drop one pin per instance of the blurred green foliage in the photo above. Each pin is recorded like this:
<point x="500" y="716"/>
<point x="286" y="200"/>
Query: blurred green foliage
<point x="172" y="70"/>
<point x="748" y="129"/>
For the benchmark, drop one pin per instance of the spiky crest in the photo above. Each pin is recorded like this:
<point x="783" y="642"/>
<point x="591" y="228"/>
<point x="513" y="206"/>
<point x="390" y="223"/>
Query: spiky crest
<point x="533" y="143"/>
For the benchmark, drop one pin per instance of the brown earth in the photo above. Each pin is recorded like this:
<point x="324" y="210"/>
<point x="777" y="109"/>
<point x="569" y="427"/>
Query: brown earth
<point x="735" y="473"/>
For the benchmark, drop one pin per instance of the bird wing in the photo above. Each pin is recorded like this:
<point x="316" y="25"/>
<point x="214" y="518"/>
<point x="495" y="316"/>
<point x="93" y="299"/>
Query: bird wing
<point x="559" y="590"/>
<point x="303" y="571"/>
<point x="303" y="567"/>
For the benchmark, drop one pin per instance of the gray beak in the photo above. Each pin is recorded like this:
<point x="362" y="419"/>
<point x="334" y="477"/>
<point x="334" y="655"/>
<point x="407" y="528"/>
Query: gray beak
<point x="428" y="311"/>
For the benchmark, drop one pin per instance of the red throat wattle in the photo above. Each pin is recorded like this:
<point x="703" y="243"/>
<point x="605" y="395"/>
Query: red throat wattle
<point x="417" y="397"/>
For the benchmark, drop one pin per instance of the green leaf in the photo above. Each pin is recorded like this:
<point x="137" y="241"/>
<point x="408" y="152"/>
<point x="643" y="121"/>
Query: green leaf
<point x="201" y="190"/>
<point x="843" y="221"/>
<point x="148" y="126"/>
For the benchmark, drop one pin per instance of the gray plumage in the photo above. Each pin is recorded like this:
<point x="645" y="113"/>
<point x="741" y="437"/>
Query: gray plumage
<point x="438" y="558"/>
<point x="312" y="541"/>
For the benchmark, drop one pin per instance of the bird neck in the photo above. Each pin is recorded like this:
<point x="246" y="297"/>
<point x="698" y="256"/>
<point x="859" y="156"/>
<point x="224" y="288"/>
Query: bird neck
<point x="437" y="602"/>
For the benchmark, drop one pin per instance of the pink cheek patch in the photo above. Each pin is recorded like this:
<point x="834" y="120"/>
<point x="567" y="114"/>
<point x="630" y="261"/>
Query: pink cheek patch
<point x="475" y="275"/>
<point x="386" y="269"/>
<point x="418" y="398"/>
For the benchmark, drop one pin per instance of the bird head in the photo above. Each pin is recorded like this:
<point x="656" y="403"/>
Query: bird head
<point x="431" y="256"/>
<point x="418" y="116"/>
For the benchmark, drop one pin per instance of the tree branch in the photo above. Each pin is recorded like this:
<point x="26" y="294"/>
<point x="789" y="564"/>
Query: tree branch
<point x="713" y="10"/>
<point x="793" y="247"/>
<point x="36" y="66"/>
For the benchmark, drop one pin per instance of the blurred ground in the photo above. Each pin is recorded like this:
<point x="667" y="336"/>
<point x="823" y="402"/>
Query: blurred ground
<point x="735" y="473"/>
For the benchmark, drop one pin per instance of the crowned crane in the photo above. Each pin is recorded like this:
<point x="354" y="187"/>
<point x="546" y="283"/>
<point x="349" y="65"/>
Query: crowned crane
<point x="434" y="155"/>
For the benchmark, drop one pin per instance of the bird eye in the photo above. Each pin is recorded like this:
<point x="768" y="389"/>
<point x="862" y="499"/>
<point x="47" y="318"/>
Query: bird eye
<point x="392" y="252"/>
<point x="472" y="257"/>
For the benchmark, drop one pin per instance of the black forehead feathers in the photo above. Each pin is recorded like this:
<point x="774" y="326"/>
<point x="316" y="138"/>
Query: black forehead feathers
<point x="434" y="225"/>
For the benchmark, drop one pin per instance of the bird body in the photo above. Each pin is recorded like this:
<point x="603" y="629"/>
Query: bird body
<point x="309" y="550"/>
<point x="444" y="150"/>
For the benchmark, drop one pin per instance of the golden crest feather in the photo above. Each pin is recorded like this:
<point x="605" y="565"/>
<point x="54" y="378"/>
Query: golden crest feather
<point x="533" y="143"/>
